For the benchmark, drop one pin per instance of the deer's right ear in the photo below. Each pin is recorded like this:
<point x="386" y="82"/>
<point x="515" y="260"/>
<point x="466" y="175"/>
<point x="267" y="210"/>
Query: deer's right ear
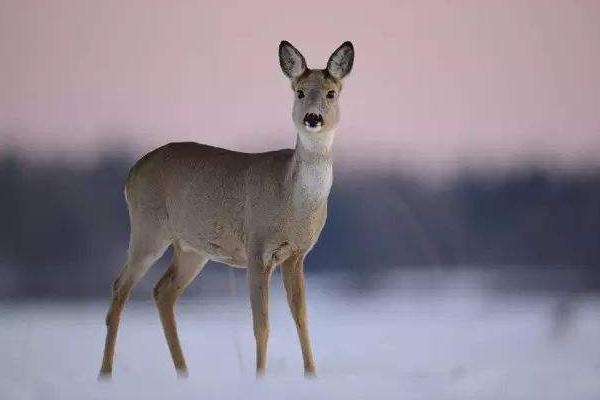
<point x="292" y="62"/>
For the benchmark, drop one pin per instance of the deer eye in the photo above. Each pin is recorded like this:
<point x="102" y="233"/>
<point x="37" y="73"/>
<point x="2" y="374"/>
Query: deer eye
<point x="331" y="94"/>
<point x="300" y="94"/>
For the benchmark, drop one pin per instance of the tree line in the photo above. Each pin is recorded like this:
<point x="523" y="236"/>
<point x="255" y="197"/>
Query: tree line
<point x="65" y="225"/>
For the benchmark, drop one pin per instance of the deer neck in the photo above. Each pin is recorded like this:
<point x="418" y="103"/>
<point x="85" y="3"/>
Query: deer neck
<point x="311" y="168"/>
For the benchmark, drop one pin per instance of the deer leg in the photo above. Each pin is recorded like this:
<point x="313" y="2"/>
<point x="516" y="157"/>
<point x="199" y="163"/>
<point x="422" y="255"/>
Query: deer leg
<point x="259" y="275"/>
<point x="293" y="279"/>
<point x="121" y="290"/>
<point x="184" y="268"/>
<point x="139" y="261"/>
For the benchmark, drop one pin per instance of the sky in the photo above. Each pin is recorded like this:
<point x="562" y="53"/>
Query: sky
<point x="436" y="85"/>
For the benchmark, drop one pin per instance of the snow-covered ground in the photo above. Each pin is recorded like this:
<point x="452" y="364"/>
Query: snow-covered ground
<point x="456" y="341"/>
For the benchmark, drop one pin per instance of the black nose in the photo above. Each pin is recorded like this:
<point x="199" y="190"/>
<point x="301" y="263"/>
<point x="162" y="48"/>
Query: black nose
<point x="313" y="120"/>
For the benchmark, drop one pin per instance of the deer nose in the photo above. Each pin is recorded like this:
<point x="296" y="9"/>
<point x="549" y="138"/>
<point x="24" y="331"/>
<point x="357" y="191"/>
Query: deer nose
<point x="313" y="120"/>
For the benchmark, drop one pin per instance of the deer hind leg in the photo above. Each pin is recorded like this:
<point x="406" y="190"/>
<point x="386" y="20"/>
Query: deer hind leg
<point x="143" y="252"/>
<point x="186" y="265"/>
<point x="293" y="279"/>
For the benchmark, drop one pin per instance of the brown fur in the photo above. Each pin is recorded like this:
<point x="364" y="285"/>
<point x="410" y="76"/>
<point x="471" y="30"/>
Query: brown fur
<point x="246" y="210"/>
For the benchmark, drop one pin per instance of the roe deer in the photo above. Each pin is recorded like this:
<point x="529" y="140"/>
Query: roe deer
<point x="245" y="210"/>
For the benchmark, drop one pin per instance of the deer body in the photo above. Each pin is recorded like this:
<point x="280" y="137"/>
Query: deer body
<point x="245" y="210"/>
<point x="219" y="202"/>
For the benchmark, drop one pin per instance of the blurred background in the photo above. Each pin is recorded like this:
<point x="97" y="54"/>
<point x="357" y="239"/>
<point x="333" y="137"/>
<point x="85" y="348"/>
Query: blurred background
<point x="461" y="254"/>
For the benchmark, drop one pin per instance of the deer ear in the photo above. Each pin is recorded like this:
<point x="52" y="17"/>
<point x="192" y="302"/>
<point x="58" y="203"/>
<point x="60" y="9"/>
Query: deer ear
<point x="291" y="61"/>
<point x="340" y="62"/>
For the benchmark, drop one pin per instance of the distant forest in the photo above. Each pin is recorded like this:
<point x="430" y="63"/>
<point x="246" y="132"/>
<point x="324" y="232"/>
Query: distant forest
<point x="65" y="226"/>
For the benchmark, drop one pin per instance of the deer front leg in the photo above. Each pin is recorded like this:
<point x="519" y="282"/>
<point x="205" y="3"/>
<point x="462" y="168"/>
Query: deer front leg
<point x="259" y="275"/>
<point x="293" y="280"/>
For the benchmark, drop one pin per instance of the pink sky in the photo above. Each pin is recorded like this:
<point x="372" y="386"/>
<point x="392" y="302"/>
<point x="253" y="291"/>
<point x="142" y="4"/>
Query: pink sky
<point x="435" y="83"/>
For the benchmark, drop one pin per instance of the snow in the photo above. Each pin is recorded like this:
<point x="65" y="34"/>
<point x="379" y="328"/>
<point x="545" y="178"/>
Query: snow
<point x="409" y="342"/>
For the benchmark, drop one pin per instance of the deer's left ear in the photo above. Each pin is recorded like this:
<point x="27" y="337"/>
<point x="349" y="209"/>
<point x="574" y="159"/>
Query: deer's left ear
<point x="340" y="62"/>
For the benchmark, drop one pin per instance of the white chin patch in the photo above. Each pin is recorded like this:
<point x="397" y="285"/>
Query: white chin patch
<point x="313" y="129"/>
